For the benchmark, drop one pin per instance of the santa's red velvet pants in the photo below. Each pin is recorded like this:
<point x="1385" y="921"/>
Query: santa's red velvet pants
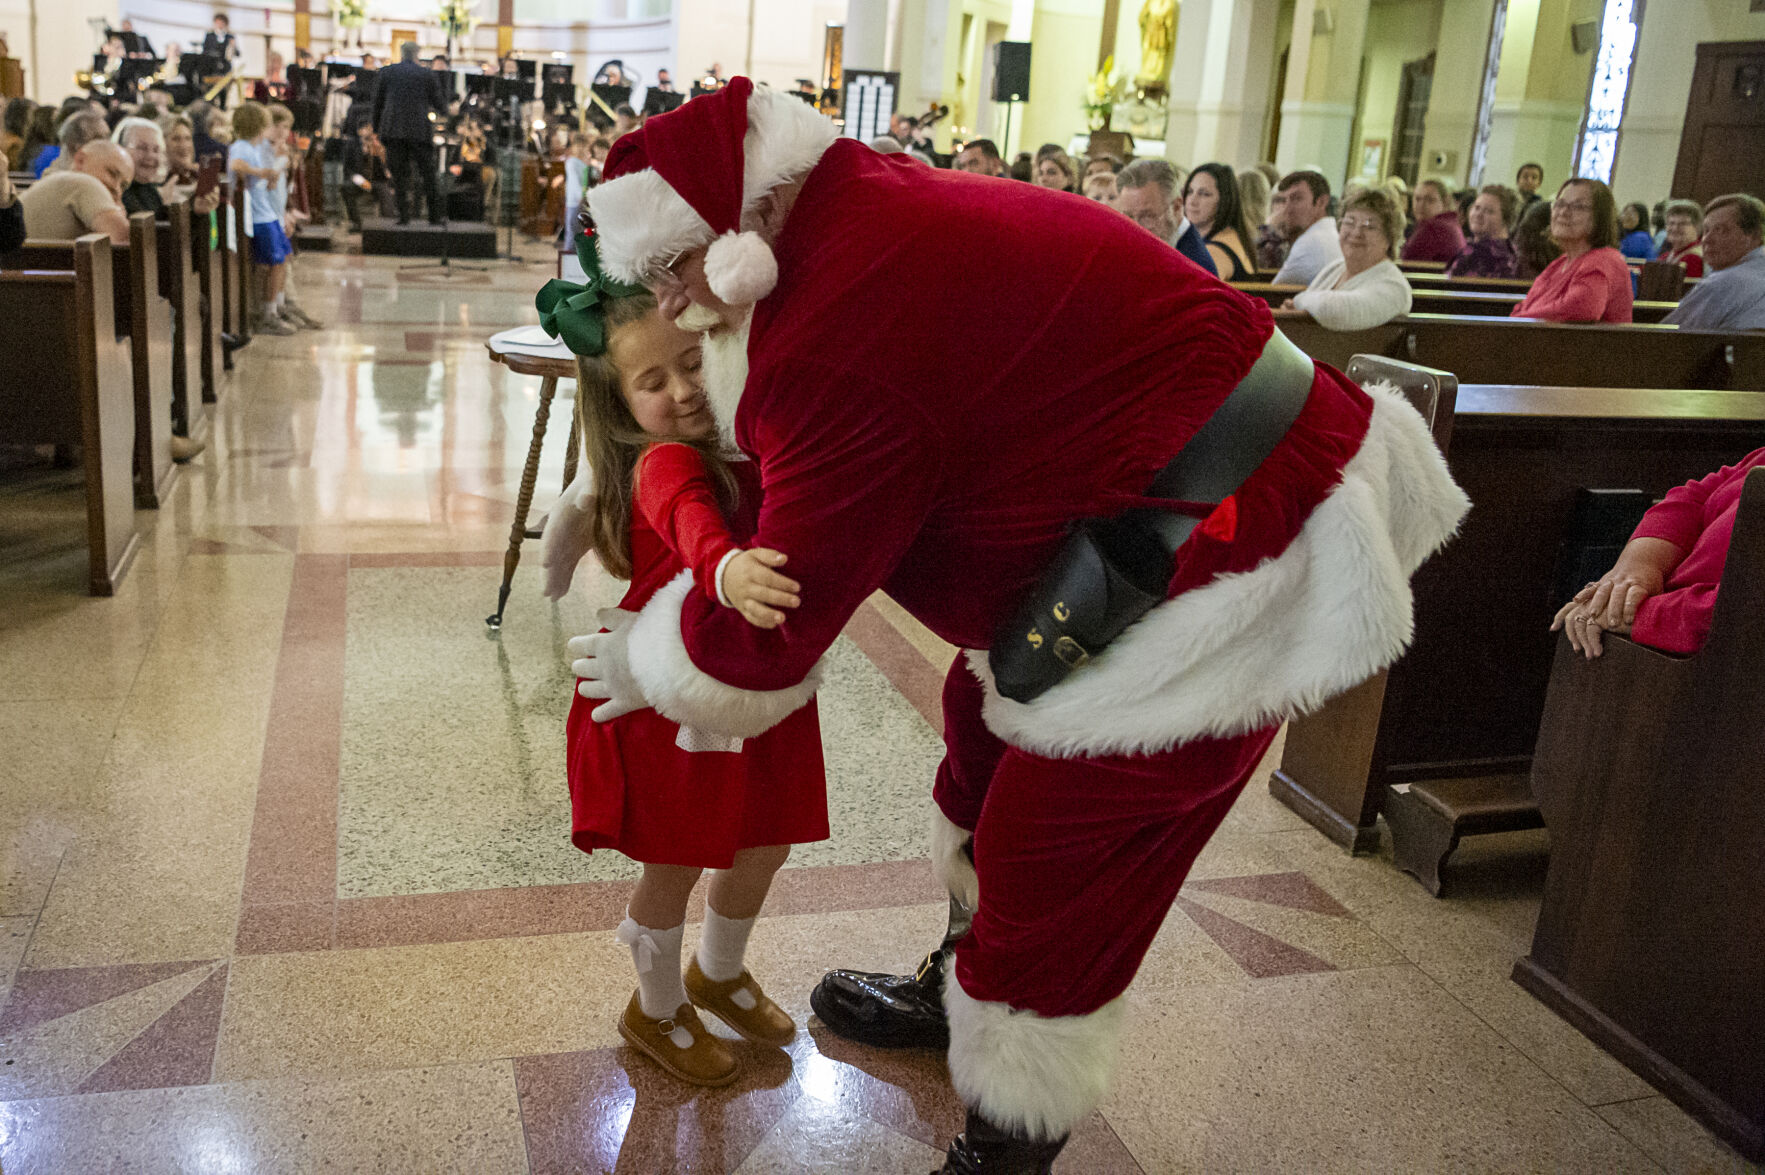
<point x="1079" y="861"/>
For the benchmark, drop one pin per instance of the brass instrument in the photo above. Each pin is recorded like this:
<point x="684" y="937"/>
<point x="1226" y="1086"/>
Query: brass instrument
<point x="232" y="79"/>
<point x="99" y="82"/>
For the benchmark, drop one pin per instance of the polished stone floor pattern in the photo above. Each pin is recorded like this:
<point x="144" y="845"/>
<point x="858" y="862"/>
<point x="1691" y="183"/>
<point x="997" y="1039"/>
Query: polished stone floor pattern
<point x="285" y="882"/>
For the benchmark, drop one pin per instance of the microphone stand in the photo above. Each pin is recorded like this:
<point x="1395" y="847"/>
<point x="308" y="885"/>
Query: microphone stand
<point x="445" y="265"/>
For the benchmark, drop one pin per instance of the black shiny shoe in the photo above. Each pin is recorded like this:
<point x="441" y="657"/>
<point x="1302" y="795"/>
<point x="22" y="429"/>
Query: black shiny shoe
<point x="894" y="1011"/>
<point x="887" y="1011"/>
<point x="985" y="1149"/>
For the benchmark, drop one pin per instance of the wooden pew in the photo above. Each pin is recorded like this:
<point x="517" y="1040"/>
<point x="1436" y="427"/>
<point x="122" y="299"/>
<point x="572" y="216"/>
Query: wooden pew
<point x="235" y="249"/>
<point x="1546" y="354"/>
<point x="143" y="318"/>
<point x="1651" y="938"/>
<point x="180" y="286"/>
<point x="206" y="258"/>
<point x="1474" y="303"/>
<point x="64" y="380"/>
<point x="1465" y="701"/>
<point x="249" y="291"/>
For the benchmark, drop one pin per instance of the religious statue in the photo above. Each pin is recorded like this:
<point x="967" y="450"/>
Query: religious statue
<point x="1158" y="36"/>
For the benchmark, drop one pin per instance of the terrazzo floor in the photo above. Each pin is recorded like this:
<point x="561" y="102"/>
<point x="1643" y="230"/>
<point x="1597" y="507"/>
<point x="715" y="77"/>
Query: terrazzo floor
<point x="285" y="882"/>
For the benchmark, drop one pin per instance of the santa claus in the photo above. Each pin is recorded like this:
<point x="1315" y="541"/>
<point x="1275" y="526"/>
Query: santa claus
<point x="1079" y="358"/>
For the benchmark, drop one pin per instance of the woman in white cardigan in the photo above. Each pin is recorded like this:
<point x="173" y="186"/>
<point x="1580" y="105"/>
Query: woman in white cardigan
<point x="1365" y="288"/>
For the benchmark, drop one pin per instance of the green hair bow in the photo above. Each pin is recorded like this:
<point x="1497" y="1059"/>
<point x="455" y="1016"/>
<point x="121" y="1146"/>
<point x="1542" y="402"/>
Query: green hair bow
<point x="577" y="313"/>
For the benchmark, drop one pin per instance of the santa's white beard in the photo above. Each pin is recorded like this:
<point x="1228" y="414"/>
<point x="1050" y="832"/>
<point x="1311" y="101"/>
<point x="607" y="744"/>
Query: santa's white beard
<point x="725" y="370"/>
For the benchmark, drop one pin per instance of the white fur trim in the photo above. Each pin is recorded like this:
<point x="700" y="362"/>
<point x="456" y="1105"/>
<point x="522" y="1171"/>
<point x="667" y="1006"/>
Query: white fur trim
<point x="1041" y="1075"/>
<point x="683" y="692"/>
<point x="950" y="863"/>
<point x="740" y="268"/>
<point x="1259" y="647"/>
<point x="640" y="219"/>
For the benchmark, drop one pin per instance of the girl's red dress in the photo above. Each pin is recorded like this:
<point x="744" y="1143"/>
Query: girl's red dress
<point x="634" y="785"/>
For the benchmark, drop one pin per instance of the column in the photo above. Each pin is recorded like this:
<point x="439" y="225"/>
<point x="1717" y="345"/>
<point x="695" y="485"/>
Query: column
<point x="1541" y="91"/>
<point x="1459" y="63"/>
<point x="1219" y="75"/>
<point x="505" y="27"/>
<point x="1323" y="75"/>
<point x="866" y="36"/>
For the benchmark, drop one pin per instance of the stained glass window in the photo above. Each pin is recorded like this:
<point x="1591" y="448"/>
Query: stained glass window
<point x="1598" y="148"/>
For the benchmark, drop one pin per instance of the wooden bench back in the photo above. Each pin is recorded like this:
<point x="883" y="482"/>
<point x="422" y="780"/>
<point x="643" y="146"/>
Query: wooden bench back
<point x="1544" y="354"/>
<point x="64" y="379"/>
<point x="1431" y="392"/>
<point x="1486" y="303"/>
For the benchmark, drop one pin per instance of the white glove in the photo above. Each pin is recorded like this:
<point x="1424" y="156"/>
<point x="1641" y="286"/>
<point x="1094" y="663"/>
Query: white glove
<point x="569" y="535"/>
<point x="604" y="665"/>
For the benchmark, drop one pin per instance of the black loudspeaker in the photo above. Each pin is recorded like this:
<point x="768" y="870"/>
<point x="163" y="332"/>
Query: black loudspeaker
<point x="1011" y="71"/>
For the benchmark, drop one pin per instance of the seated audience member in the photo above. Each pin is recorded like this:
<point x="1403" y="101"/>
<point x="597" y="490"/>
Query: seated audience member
<point x="1662" y="590"/>
<point x="1146" y="193"/>
<point x="1634" y="239"/>
<point x="1055" y="171"/>
<point x="1590" y="282"/>
<point x="1210" y="201"/>
<point x="12" y="213"/>
<point x="1271" y="235"/>
<point x="1101" y="188"/>
<point x="39" y="136"/>
<point x="145" y="143"/>
<point x="882" y="145"/>
<point x="1684" y="243"/>
<point x="1731" y="295"/>
<point x="1437" y="236"/>
<point x="980" y="156"/>
<point x="86" y="198"/>
<point x="1102" y="163"/>
<point x="205" y="120"/>
<point x="1253" y="194"/>
<point x="76" y="131"/>
<point x="14" y="126"/>
<point x="1527" y="181"/>
<point x="1490" y="253"/>
<point x="1023" y="168"/>
<point x="1533" y="248"/>
<point x="1658" y="226"/>
<point x="1364" y="287"/>
<point x="1305" y="213"/>
<point x="1463" y="201"/>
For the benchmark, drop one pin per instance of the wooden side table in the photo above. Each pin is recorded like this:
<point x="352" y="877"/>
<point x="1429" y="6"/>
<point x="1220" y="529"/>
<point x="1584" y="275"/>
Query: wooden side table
<point x="550" y="372"/>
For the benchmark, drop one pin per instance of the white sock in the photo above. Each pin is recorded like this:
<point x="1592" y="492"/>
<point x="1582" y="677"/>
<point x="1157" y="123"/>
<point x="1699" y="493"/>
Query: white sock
<point x="656" y="954"/>
<point x="722" y="945"/>
<point x="281" y="299"/>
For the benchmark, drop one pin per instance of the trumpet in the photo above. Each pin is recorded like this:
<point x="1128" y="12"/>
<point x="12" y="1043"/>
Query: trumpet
<point x="100" y="82"/>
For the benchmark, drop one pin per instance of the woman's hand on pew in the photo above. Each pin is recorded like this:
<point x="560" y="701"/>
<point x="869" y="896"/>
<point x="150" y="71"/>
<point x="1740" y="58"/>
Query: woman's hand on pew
<point x="1609" y="603"/>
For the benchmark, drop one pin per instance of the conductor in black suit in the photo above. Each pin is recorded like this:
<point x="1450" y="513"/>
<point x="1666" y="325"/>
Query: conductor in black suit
<point x="406" y="95"/>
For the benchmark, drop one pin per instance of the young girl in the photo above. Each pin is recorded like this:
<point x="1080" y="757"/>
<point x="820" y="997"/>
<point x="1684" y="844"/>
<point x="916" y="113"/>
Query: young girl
<point x="678" y="800"/>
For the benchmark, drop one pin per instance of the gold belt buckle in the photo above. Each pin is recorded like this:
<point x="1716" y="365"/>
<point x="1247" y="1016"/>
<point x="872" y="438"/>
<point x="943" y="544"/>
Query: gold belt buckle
<point x="1071" y="653"/>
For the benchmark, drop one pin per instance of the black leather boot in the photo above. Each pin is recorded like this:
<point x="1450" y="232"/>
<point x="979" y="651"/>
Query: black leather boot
<point x="985" y="1149"/>
<point x="894" y="1011"/>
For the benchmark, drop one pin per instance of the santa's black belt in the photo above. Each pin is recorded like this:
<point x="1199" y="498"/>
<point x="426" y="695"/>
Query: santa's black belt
<point x="1112" y="571"/>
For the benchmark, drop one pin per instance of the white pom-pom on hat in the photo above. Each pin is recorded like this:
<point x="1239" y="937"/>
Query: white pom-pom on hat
<point x="740" y="268"/>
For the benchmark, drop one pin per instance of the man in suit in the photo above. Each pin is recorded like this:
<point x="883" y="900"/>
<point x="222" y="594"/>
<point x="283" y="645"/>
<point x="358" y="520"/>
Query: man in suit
<point x="404" y="99"/>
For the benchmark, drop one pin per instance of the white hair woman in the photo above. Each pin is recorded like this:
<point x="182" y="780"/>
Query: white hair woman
<point x="154" y="182"/>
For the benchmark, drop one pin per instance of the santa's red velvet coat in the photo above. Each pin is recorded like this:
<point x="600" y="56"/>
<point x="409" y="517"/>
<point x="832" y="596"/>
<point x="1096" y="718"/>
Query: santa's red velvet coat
<point x="949" y="372"/>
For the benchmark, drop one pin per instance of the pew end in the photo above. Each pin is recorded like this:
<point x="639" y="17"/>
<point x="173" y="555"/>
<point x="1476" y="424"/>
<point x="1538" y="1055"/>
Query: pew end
<point x="1654" y="908"/>
<point x="65" y="380"/>
<point x="1328" y="754"/>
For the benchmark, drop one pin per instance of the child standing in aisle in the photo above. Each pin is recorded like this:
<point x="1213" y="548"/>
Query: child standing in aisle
<point x="252" y="159"/>
<point x="669" y="500"/>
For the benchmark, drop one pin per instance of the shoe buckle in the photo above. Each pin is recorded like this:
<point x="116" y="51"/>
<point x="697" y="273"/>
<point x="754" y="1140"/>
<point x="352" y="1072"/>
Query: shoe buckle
<point x="666" y="1027"/>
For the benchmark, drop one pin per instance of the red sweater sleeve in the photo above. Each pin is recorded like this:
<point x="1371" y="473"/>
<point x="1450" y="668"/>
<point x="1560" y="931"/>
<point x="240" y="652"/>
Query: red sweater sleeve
<point x="1679" y="517"/>
<point x="850" y="467"/>
<point x="676" y="497"/>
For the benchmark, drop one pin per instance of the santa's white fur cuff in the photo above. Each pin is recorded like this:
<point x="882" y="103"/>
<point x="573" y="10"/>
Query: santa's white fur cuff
<point x="1040" y="1075"/>
<point x="681" y="691"/>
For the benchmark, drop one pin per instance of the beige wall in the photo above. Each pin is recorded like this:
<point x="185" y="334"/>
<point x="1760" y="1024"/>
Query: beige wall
<point x="64" y="43"/>
<point x="1660" y="84"/>
<point x="1063" y="54"/>
<point x="1397" y="33"/>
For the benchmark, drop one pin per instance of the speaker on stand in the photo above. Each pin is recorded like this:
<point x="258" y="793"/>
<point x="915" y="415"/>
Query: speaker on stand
<point x="1011" y="81"/>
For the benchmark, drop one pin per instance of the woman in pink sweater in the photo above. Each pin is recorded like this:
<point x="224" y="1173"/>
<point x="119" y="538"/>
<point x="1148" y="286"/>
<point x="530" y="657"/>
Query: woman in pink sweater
<point x="1662" y="590"/>
<point x="1590" y="282"/>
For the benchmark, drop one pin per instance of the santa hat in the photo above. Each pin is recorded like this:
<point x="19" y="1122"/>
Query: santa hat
<point x="684" y="178"/>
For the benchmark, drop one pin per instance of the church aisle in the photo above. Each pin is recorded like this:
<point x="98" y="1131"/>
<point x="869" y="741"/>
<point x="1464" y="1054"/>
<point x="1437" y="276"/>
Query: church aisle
<point x="285" y="881"/>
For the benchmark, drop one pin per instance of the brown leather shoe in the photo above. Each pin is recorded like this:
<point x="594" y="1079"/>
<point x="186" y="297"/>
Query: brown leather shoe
<point x="765" y="1023"/>
<point x="706" y="1061"/>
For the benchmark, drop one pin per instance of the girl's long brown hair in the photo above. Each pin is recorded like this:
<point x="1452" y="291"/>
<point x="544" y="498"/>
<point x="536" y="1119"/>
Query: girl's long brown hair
<point x="612" y="443"/>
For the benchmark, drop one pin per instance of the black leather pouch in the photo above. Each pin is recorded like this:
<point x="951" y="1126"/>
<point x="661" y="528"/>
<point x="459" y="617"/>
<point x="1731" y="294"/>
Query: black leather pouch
<point x="1111" y="572"/>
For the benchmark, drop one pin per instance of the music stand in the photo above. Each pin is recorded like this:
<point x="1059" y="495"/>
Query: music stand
<point x="660" y="101"/>
<point x="510" y="94"/>
<point x="443" y="187"/>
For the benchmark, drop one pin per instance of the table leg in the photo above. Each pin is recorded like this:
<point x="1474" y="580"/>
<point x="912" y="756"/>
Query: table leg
<point x="547" y="388"/>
